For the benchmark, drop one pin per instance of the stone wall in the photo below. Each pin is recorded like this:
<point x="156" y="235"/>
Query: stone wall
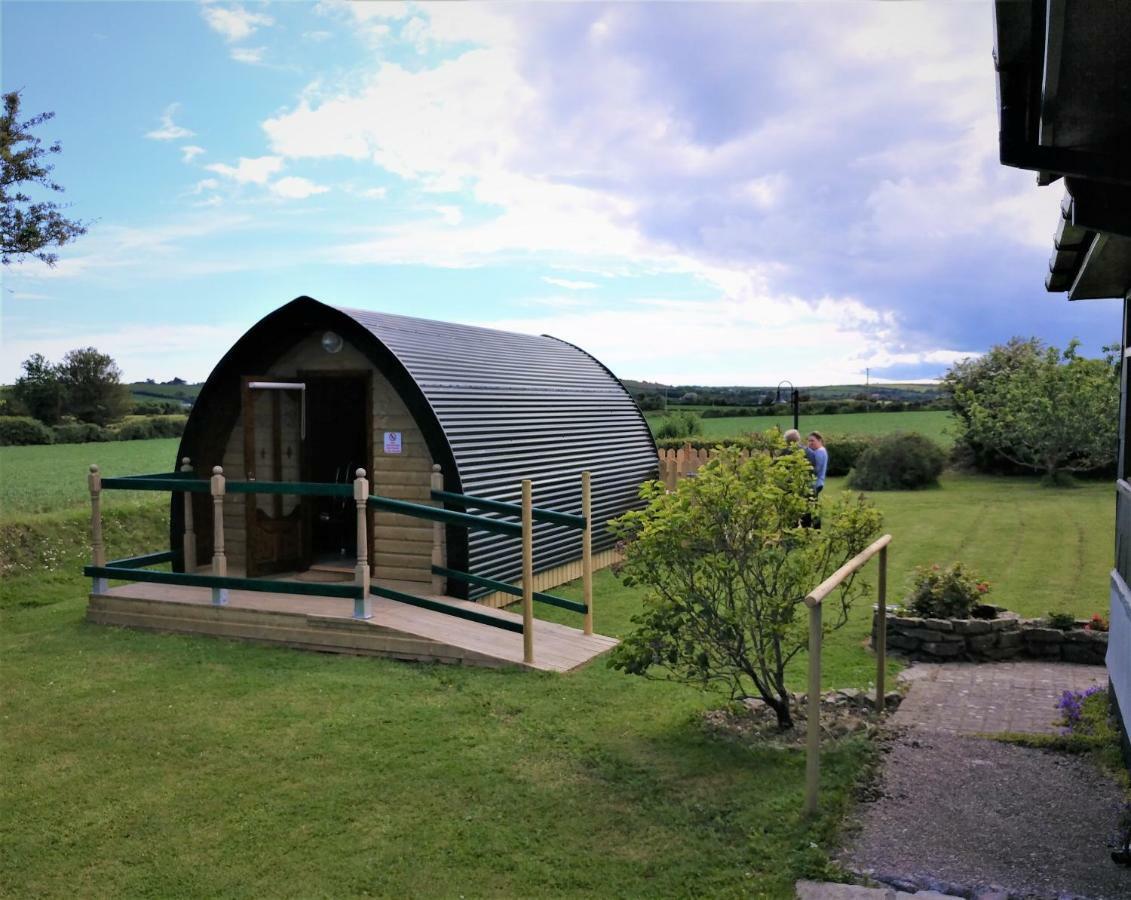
<point x="1006" y="637"/>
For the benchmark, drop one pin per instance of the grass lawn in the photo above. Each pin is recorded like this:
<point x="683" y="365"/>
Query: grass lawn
<point x="168" y="766"/>
<point x="930" y="423"/>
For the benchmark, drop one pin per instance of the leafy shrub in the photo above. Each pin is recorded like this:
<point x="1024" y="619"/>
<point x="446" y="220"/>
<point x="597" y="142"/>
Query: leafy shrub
<point x="21" y="431"/>
<point x="845" y="451"/>
<point x="679" y="424"/>
<point x="138" y="430"/>
<point x="168" y="426"/>
<point x="81" y="433"/>
<point x="898" y="461"/>
<point x="156" y="408"/>
<point x="950" y="593"/>
<point x="1061" y="620"/>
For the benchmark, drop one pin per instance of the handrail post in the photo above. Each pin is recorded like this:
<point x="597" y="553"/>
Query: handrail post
<point x="189" y="541"/>
<point x="587" y="549"/>
<point x="882" y="631"/>
<point x="219" y="560"/>
<point x="363" y="608"/>
<point x="527" y="571"/>
<point x="813" y="738"/>
<point x="97" y="548"/>
<point x="439" y="583"/>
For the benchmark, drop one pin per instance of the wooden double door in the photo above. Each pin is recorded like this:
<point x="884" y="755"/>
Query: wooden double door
<point x="313" y="428"/>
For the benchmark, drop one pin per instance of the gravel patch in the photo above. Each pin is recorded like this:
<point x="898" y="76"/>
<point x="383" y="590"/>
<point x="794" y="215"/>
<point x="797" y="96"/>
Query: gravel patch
<point x="968" y="813"/>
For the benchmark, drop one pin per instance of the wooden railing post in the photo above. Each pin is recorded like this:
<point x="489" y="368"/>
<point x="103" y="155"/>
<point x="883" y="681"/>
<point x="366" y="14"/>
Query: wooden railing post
<point x="527" y="571"/>
<point x="219" y="560"/>
<point x="439" y="583"/>
<point x="587" y="549"/>
<point x="97" y="548"/>
<point x="189" y="541"/>
<point x="882" y="631"/>
<point x="363" y="608"/>
<point x="813" y="737"/>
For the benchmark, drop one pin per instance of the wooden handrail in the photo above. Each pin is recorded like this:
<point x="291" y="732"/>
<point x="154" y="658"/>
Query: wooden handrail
<point x="826" y="587"/>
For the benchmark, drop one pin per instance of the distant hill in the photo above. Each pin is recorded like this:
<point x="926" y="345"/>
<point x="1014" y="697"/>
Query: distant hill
<point x="150" y="390"/>
<point x="755" y="394"/>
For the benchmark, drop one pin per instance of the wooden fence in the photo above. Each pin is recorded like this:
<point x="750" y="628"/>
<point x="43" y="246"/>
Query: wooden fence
<point x="677" y="464"/>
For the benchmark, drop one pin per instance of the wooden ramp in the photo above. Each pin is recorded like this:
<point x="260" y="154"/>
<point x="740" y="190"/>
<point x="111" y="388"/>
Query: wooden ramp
<point x="397" y="630"/>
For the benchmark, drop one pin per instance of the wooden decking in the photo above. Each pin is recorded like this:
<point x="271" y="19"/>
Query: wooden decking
<point x="396" y="630"/>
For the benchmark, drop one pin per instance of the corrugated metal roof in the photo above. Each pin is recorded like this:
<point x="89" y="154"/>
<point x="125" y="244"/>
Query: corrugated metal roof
<point x="514" y="406"/>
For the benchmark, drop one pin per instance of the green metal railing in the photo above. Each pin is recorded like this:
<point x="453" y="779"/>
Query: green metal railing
<point x="136" y="568"/>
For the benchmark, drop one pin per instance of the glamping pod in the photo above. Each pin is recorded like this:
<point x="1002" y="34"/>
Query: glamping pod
<point x="312" y="392"/>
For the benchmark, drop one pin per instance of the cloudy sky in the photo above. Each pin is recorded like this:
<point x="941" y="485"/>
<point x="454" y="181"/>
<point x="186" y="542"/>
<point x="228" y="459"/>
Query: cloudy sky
<point x="695" y="193"/>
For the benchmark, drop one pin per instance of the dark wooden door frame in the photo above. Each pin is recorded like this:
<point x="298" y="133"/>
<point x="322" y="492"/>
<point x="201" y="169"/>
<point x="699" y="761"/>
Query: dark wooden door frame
<point x="308" y="375"/>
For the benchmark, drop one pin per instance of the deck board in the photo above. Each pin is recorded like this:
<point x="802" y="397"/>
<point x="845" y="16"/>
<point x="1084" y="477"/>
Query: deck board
<point x="396" y="630"/>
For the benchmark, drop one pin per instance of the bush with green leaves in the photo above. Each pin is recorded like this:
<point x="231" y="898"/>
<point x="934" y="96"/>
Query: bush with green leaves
<point x="844" y="451"/>
<point x="22" y="431"/>
<point x="81" y="433"/>
<point x="726" y="565"/>
<point x="950" y="593"/>
<point x="679" y="424"/>
<point x="898" y="462"/>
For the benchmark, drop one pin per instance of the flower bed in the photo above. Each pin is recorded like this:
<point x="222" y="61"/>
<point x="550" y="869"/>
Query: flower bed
<point x="991" y="634"/>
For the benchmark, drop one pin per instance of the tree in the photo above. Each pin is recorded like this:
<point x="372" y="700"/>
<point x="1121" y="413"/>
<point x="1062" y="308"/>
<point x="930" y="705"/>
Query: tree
<point x="1038" y="408"/>
<point x="40" y="390"/>
<point x="93" y="388"/>
<point x="28" y="228"/>
<point x="726" y="566"/>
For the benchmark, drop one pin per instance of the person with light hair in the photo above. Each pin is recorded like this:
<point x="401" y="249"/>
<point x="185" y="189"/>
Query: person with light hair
<point x="818" y="458"/>
<point x="793" y="436"/>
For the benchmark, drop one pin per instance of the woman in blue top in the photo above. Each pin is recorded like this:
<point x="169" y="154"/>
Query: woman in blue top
<point x="818" y="458"/>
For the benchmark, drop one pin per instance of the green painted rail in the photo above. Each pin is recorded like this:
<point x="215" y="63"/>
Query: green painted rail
<point x="419" y="511"/>
<point x="510" y="589"/>
<point x="263" y="585"/>
<point x="510" y="509"/>
<point x="294" y="488"/>
<point x="140" y="562"/>
<point x="162" y="483"/>
<point x="437" y="606"/>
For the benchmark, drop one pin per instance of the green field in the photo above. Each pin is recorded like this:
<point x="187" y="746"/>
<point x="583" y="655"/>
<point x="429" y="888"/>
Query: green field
<point x="171" y="766"/>
<point x="929" y="423"/>
<point x="53" y="478"/>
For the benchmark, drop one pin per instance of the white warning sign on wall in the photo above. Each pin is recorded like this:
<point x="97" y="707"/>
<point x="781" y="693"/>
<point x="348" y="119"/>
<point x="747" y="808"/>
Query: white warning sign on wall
<point x="392" y="442"/>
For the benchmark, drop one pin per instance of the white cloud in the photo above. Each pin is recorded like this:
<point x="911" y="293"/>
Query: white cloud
<point x="451" y="215"/>
<point x="169" y="131"/>
<point x="569" y="285"/>
<point x="253" y="171"/>
<point x="205" y="184"/>
<point x="190" y="152"/>
<point x="317" y="36"/>
<point x="253" y="56"/>
<point x="234" y="23"/>
<point x="377" y="193"/>
<point x="297" y="188"/>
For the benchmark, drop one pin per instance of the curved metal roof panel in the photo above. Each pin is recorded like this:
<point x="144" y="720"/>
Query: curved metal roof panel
<point x="514" y="406"/>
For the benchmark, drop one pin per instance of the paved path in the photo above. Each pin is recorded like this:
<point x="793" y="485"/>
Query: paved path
<point x="989" y="698"/>
<point x="968" y="815"/>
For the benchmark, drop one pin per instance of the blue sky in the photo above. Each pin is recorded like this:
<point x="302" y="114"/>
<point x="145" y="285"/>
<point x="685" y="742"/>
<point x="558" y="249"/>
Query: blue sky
<point x="695" y="193"/>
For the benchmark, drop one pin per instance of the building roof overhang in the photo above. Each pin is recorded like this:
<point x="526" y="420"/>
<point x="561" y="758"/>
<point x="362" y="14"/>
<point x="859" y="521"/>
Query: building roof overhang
<point x="1064" y="101"/>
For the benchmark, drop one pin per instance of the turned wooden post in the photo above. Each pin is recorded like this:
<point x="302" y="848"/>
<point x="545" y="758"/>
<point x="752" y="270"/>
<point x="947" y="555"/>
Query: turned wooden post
<point x="587" y="549"/>
<point x="97" y="548"/>
<point x="219" y="560"/>
<point x="188" y="545"/>
<point x="363" y="608"/>
<point x="439" y="583"/>
<point x="527" y="571"/>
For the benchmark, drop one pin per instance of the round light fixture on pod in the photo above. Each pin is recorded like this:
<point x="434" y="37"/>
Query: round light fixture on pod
<point x="331" y="341"/>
